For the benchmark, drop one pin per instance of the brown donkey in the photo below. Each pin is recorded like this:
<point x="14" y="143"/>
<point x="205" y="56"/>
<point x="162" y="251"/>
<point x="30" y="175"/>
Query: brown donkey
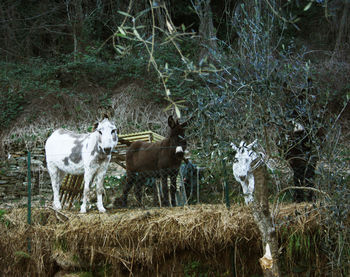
<point x="159" y="159"/>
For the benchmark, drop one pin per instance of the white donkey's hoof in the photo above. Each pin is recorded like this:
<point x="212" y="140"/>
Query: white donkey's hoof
<point x="57" y="206"/>
<point x="101" y="209"/>
<point x="83" y="210"/>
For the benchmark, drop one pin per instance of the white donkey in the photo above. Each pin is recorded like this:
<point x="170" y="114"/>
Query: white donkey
<point x="242" y="168"/>
<point x="88" y="154"/>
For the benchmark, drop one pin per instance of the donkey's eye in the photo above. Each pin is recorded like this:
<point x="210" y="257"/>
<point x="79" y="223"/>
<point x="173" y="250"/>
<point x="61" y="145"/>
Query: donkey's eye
<point x="113" y="131"/>
<point x="100" y="132"/>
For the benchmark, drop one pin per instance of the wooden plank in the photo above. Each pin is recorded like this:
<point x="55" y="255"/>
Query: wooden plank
<point x="77" y="188"/>
<point x="142" y="136"/>
<point x="67" y="188"/>
<point x="71" y="192"/>
<point x="121" y="164"/>
<point x="63" y="189"/>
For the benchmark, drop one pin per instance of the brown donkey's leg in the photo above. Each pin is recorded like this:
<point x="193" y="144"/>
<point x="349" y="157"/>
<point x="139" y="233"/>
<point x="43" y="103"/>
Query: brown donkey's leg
<point x="130" y="179"/>
<point x="173" y="187"/>
<point x="165" y="196"/>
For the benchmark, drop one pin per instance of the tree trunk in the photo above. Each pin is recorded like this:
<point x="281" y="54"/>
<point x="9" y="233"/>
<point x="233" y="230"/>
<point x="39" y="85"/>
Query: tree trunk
<point x="262" y="217"/>
<point x="76" y="20"/>
<point x="343" y="28"/>
<point x="160" y="15"/>
<point x="208" y="45"/>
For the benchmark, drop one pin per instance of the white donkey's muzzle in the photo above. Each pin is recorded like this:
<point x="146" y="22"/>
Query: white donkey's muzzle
<point x="179" y="150"/>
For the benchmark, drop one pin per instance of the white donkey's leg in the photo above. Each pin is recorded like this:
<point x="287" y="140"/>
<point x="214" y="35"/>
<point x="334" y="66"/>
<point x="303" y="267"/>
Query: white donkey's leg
<point x="244" y="185"/>
<point x="56" y="179"/>
<point x="251" y="186"/>
<point x="87" y="181"/>
<point x="247" y="184"/>
<point x="99" y="189"/>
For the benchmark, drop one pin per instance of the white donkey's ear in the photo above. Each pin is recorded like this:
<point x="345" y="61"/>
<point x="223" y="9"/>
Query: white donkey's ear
<point x="250" y="146"/>
<point x="234" y="147"/>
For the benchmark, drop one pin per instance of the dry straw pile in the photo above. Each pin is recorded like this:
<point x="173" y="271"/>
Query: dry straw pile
<point x="141" y="242"/>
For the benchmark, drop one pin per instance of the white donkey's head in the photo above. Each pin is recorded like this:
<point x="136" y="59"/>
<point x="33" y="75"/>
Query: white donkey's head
<point x="107" y="137"/>
<point x="242" y="168"/>
<point x="245" y="155"/>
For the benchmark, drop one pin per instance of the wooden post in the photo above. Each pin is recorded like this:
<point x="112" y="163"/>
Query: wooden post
<point x="29" y="207"/>
<point x="227" y="198"/>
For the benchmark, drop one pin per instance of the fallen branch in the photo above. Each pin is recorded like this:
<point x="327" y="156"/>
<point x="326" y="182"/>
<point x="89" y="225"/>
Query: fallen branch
<point x="294" y="187"/>
<point x="60" y="213"/>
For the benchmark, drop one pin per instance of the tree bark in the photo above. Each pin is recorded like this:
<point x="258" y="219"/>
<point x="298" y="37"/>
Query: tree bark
<point x="343" y="26"/>
<point x="262" y="217"/>
<point x="76" y="20"/>
<point x="207" y="33"/>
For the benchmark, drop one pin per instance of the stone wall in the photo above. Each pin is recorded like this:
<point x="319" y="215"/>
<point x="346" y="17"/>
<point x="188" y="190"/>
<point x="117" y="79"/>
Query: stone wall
<point x="14" y="175"/>
<point x="14" y="172"/>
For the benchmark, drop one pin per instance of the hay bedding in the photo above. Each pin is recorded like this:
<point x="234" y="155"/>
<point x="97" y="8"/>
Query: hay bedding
<point x="130" y="240"/>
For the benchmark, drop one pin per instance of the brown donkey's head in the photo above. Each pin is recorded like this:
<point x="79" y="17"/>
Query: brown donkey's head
<point x="177" y="137"/>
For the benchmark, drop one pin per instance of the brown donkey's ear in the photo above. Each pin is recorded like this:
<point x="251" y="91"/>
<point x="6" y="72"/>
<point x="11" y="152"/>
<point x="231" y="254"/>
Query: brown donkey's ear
<point x="187" y="121"/>
<point x="183" y="125"/>
<point x="171" y="122"/>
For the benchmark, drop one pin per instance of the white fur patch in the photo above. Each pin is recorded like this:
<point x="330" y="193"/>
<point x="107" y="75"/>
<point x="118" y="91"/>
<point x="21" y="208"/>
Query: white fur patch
<point x="297" y="126"/>
<point x="179" y="149"/>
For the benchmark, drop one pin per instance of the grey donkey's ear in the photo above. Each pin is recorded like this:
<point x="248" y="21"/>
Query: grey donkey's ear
<point x="94" y="127"/>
